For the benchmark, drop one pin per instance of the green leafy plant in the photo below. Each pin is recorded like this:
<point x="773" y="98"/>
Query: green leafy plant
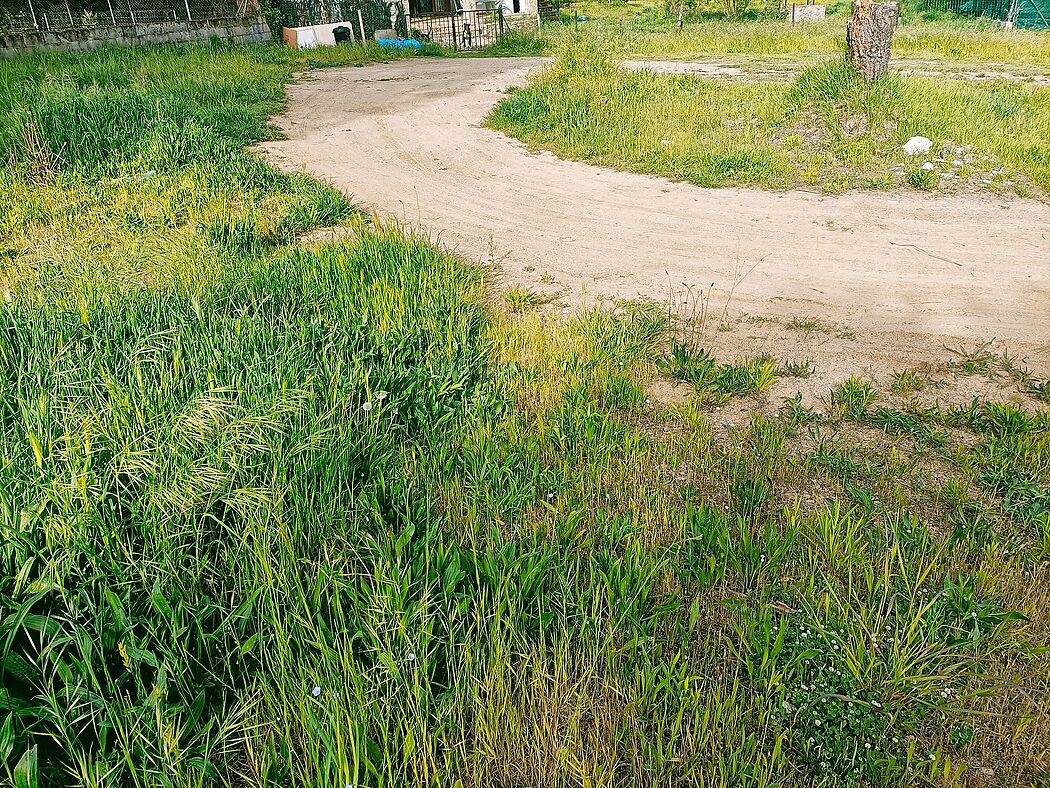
<point x="852" y="398"/>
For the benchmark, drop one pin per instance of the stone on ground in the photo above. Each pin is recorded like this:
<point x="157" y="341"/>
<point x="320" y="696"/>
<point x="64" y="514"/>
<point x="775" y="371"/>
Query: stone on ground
<point x="916" y="146"/>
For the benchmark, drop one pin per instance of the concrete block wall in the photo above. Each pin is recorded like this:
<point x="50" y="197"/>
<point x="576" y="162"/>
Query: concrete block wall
<point x="527" y="22"/>
<point x="242" y="30"/>
<point x="806" y="13"/>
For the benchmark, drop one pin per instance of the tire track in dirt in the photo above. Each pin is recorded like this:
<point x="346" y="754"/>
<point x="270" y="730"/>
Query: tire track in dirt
<point x="899" y="275"/>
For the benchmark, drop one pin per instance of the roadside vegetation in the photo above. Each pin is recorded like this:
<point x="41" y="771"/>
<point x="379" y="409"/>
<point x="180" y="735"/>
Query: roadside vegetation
<point x="742" y="29"/>
<point x="826" y="129"/>
<point x="971" y="44"/>
<point x="280" y="512"/>
<point x="758" y="40"/>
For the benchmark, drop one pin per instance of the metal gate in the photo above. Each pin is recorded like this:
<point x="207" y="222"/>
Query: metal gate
<point x="463" y="30"/>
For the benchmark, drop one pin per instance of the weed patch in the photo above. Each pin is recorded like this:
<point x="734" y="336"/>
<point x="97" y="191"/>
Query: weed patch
<point x="284" y="515"/>
<point x="827" y="128"/>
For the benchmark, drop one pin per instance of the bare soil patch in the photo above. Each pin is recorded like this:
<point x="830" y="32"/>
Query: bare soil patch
<point x="899" y="274"/>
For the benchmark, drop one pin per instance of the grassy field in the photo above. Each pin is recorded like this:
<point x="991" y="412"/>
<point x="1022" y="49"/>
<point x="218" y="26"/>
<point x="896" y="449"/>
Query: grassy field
<point x="276" y="513"/>
<point x="826" y="129"/>
<point x="975" y="44"/>
<point x="639" y="29"/>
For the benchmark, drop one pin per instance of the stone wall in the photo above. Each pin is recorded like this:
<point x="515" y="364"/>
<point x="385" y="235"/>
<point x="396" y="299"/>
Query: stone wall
<point x="243" y="30"/>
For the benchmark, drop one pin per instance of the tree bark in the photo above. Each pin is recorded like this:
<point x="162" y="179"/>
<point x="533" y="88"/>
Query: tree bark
<point x="869" y="34"/>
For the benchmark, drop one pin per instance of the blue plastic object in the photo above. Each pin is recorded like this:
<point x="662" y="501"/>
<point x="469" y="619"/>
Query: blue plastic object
<point x="399" y="43"/>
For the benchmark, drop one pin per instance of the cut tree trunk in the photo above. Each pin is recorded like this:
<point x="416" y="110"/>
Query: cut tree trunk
<point x="869" y="34"/>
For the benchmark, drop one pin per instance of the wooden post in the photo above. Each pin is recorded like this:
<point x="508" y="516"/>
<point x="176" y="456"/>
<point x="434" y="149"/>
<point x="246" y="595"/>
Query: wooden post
<point x="869" y="35"/>
<point x="361" y="24"/>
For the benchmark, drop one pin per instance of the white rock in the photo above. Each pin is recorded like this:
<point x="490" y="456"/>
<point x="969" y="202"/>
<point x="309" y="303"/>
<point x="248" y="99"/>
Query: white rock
<point x="916" y="146"/>
<point x="928" y="166"/>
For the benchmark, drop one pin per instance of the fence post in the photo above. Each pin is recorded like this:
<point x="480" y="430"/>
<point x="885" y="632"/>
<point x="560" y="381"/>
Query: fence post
<point x="361" y="25"/>
<point x="32" y="13"/>
<point x="189" y="18"/>
<point x="501" y="21"/>
<point x="1011" y="15"/>
<point x="452" y="16"/>
<point x="69" y="11"/>
<point x="132" y="12"/>
<point x="112" y="16"/>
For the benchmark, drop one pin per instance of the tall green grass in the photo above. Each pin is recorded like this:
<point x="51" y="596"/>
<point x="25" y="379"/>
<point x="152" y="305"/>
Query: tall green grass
<point x="827" y="128"/>
<point x="281" y="513"/>
<point x="653" y="34"/>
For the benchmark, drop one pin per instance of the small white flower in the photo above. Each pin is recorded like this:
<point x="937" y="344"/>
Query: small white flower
<point x="818" y="723"/>
<point x="411" y="656"/>
<point x="316" y="692"/>
<point x="366" y="407"/>
<point x="867" y="746"/>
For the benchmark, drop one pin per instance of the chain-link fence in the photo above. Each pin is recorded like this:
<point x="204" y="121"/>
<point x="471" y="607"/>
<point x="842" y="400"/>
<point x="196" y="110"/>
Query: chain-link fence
<point x="992" y="9"/>
<point x="1034" y="14"/>
<point x="19" y="16"/>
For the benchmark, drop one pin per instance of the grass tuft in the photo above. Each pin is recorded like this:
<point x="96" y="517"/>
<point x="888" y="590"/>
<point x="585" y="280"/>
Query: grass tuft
<point x="828" y="128"/>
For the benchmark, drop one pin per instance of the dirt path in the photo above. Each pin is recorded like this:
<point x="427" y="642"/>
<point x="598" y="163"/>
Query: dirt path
<point x="765" y="68"/>
<point x="867" y="282"/>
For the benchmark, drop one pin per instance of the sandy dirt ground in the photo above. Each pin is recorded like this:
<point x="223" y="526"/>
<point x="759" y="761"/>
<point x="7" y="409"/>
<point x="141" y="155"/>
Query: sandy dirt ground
<point x="766" y="68"/>
<point x="862" y="283"/>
